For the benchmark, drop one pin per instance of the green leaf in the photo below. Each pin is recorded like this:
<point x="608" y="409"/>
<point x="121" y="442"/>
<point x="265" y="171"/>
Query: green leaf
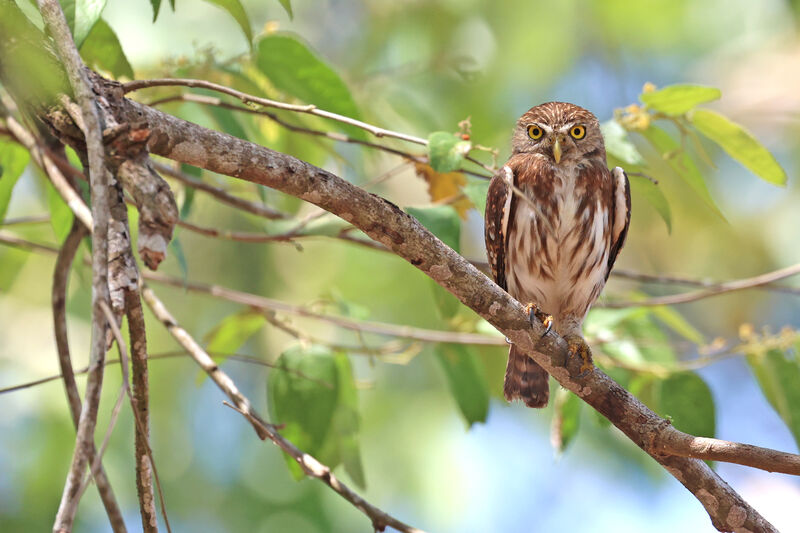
<point x="466" y="380"/>
<point x="287" y="5"/>
<point x="102" y="50"/>
<point x="177" y="250"/>
<point x="740" y="144"/>
<point x="476" y="190"/>
<point x="299" y="72"/>
<point x="60" y="213"/>
<point x="566" y="419"/>
<point x="234" y="331"/>
<point x="653" y="194"/>
<point x="13" y="160"/>
<point x="619" y="145"/>
<point x="778" y="375"/>
<point x="156" y="6"/>
<point x="678" y="99"/>
<point x="81" y="17"/>
<point x="312" y="392"/>
<point x="446" y="151"/>
<point x="225" y="119"/>
<point x="681" y="163"/>
<point x="687" y="400"/>
<point x="640" y="338"/>
<point x="677" y="323"/>
<point x="236" y="10"/>
<point x="442" y="221"/>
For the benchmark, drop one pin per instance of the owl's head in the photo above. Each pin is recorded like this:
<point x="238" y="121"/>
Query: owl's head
<point x="561" y="132"/>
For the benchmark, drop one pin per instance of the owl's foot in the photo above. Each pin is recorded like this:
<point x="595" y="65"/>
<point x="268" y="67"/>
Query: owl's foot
<point x="577" y="348"/>
<point x="534" y="312"/>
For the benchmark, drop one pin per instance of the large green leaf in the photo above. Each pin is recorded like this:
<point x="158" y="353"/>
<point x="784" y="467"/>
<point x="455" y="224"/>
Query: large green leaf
<point x="236" y="10"/>
<point x="234" y="331"/>
<point x="81" y="17"/>
<point x="446" y="151"/>
<point x="653" y="194"/>
<point x="443" y="222"/>
<point x="778" y="375"/>
<point x="13" y="160"/>
<point x="466" y="380"/>
<point x="294" y="69"/>
<point x="476" y="190"/>
<point x="101" y="50"/>
<point x="678" y="99"/>
<point x="566" y="419"/>
<point x="687" y="400"/>
<point x="312" y="393"/>
<point x="619" y="145"/>
<point x="287" y="5"/>
<point x="681" y="163"/>
<point x="740" y="144"/>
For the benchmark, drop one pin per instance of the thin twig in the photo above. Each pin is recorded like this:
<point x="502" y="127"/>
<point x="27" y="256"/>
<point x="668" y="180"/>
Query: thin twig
<point x="691" y="282"/>
<point x="720" y="288"/>
<point x="35" y="219"/>
<point x="60" y="279"/>
<point x="310" y="465"/>
<point x="220" y="194"/>
<point x="250" y="99"/>
<point x="56" y="25"/>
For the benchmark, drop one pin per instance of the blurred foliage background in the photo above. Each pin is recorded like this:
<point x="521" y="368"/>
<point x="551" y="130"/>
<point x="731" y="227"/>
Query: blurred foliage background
<point x="427" y="432"/>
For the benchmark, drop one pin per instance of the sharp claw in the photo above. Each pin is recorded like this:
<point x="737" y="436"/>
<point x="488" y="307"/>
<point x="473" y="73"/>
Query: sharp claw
<point x="548" y="324"/>
<point x="538" y="314"/>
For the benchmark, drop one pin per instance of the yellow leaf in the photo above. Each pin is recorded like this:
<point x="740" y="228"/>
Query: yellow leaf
<point x="445" y="188"/>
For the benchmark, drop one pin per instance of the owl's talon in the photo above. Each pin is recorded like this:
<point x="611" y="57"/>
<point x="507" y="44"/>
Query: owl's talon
<point x="534" y="312"/>
<point x="577" y="347"/>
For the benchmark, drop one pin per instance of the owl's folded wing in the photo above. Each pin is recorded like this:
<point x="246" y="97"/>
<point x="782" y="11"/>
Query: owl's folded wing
<point x="621" y="215"/>
<point x="498" y="212"/>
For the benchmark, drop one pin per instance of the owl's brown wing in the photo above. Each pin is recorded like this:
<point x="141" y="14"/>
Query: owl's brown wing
<point x="498" y="213"/>
<point x="621" y="215"/>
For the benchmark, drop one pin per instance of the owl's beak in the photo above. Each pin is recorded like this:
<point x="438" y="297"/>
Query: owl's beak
<point x="557" y="150"/>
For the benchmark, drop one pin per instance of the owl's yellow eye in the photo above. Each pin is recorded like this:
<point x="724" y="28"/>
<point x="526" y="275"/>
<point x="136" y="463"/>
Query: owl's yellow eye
<point x="535" y="132"/>
<point x="577" y="132"/>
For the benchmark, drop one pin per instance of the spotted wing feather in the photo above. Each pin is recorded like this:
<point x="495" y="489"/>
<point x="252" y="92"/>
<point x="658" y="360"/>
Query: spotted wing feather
<point x="621" y="215"/>
<point x="498" y="213"/>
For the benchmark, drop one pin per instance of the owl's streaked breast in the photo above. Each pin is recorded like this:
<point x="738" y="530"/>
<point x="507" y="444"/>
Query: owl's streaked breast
<point x="557" y="240"/>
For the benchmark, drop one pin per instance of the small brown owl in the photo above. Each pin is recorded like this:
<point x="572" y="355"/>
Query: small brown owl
<point x="556" y="219"/>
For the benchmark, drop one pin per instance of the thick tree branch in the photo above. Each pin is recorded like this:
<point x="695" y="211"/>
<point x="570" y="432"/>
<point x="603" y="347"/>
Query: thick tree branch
<point x="310" y="465"/>
<point x="384" y="222"/>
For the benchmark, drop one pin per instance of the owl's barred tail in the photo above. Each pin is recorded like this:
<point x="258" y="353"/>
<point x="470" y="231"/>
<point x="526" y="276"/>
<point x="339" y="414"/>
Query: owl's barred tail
<point x="525" y="380"/>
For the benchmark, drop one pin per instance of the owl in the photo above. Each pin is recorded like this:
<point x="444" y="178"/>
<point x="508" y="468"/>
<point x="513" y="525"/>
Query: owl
<point x="556" y="219"/>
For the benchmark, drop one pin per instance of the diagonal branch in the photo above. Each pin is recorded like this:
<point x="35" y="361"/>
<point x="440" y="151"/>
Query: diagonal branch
<point x="310" y="465"/>
<point x="383" y="221"/>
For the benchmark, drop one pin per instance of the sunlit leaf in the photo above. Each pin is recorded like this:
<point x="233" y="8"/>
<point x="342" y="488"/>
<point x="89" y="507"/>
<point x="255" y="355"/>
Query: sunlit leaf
<point x="234" y="331"/>
<point x="681" y="163"/>
<point x="653" y="194"/>
<point x="687" y="400"/>
<point x="678" y="99"/>
<point x="778" y="375"/>
<point x="566" y="419"/>
<point x="740" y="144"/>
<point x="13" y="160"/>
<point x="81" y="17"/>
<point x="294" y="69"/>
<point x="287" y="6"/>
<point x="619" y="145"/>
<point x="476" y="190"/>
<point x="445" y="186"/>
<point x="446" y="151"/>
<point x="102" y="50"/>
<point x="60" y="213"/>
<point x="346" y="422"/>
<point x="640" y="340"/>
<point x="466" y="380"/>
<point x="236" y="10"/>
